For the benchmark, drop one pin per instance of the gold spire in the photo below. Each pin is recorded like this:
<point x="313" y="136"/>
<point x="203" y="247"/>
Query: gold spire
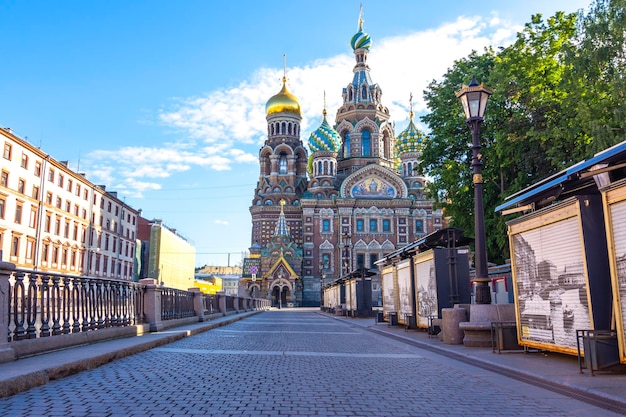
<point x="411" y="106"/>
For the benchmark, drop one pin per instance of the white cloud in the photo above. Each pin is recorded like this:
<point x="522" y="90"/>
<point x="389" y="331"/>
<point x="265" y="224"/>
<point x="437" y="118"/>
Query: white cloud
<point x="222" y="222"/>
<point x="226" y="126"/>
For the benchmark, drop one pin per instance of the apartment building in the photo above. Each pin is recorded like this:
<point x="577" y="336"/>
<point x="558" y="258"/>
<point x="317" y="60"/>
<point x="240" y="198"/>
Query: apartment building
<point x="54" y="220"/>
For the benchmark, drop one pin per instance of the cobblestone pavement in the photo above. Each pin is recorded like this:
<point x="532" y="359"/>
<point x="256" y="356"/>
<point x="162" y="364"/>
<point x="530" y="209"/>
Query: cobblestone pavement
<point x="290" y="363"/>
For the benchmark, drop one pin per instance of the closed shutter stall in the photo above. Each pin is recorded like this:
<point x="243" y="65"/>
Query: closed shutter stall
<point x="425" y="287"/>
<point x="616" y="233"/>
<point x="550" y="277"/>
<point x="405" y="297"/>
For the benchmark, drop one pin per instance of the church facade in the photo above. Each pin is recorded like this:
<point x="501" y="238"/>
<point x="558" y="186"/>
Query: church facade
<point x="341" y="205"/>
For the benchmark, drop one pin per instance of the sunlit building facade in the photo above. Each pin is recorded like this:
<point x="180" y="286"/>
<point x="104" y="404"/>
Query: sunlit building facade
<point x="352" y="197"/>
<point x="53" y="219"/>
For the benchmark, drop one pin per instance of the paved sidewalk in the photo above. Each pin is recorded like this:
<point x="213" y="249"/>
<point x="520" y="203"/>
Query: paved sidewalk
<point x="550" y="370"/>
<point x="34" y="371"/>
<point x="556" y="372"/>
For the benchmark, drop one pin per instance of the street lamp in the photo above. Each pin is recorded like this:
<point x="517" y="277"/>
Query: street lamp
<point x="474" y="99"/>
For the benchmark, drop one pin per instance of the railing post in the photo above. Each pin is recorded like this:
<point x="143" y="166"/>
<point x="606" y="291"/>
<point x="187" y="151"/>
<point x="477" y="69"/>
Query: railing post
<point x="236" y="300"/>
<point x="222" y="302"/>
<point x="6" y="353"/>
<point x="152" y="304"/>
<point x="198" y="304"/>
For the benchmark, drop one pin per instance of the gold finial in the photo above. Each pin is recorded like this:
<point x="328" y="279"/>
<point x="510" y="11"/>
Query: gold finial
<point x="411" y="106"/>
<point x="361" y="17"/>
<point x="284" y="68"/>
<point x="282" y="203"/>
<point x="324" y="112"/>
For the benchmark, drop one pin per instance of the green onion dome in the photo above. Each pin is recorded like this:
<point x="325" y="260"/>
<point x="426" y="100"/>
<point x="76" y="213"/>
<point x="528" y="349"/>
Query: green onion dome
<point x="360" y="39"/>
<point x="325" y="138"/>
<point x="410" y="140"/>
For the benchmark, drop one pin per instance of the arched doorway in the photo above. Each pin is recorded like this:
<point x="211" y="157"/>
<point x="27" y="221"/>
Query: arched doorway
<point x="280" y="291"/>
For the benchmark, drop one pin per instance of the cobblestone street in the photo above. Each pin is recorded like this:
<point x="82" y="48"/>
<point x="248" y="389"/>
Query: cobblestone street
<point x="290" y="363"/>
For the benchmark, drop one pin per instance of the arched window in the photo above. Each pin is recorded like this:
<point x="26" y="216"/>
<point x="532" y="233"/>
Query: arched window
<point x="282" y="164"/>
<point x="346" y="145"/>
<point x="366" y="143"/>
<point x="350" y="94"/>
<point x="364" y="93"/>
<point x="325" y="167"/>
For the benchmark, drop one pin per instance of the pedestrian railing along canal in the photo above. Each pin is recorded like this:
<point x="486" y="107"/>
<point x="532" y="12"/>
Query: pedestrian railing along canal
<point x="41" y="311"/>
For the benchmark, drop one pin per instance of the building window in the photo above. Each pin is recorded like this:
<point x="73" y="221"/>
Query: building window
<point x="51" y="175"/>
<point x="35" y="192"/>
<point x="282" y="164"/>
<point x="66" y="231"/>
<point x="4" y="180"/>
<point x="47" y="223"/>
<point x="37" y="169"/>
<point x="360" y="225"/>
<point x="7" y="151"/>
<point x="69" y="185"/>
<point x="366" y="143"/>
<point x="49" y="198"/>
<point x="78" y="190"/>
<point x="55" y="255"/>
<point x="325" y="261"/>
<point x="68" y="206"/>
<point x="373" y="259"/>
<point x="373" y="225"/>
<point x="18" y="214"/>
<point x="15" y="246"/>
<point x="21" y="185"/>
<point x="346" y="145"/>
<point x="33" y="217"/>
<point x="61" y="178"/>
<point x="44" y="252"/>
<point x="386" y="225"/>
<point x="57" y="226"/>
<point x="326" y="225"/>
<point x="360" y="260"/>
<point x="24" y="163"/>
<point x="419" y="226"/>
<point x="59" y="201"/>
<point x="2" y="207"/>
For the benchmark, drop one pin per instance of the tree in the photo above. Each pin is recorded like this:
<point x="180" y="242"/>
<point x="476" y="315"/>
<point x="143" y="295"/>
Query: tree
<point x="559" y="97"/>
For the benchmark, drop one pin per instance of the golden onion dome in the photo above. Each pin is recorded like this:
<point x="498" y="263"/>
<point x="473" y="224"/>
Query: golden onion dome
<point x="283" y="102"/>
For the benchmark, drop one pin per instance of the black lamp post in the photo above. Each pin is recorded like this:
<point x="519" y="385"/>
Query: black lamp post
<point x="474" y="99"/>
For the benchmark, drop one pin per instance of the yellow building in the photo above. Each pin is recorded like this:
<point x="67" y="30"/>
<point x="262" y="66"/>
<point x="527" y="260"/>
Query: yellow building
<point x="171" y="258"/>
<point x="208" y="284"/>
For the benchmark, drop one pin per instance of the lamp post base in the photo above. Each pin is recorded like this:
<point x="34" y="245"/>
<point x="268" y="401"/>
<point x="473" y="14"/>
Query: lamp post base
<point x="482" y="290"/>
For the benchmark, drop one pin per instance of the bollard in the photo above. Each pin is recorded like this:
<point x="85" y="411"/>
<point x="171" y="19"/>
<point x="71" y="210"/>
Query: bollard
<point x="450" y="319"/>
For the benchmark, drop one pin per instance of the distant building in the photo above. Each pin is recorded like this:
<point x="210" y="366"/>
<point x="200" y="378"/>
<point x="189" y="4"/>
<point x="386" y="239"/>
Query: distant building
<point x="208" y="284"/>
<point x="53" y="219"/>
<point x="165" y="255"/>
<point x="230" y="276"/>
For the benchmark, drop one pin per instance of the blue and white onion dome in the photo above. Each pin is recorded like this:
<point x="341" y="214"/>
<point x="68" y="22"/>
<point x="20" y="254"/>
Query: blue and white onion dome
<point x="360" y="39"/>
<point x="325" y="138"/>
<point x="410" y="139"/>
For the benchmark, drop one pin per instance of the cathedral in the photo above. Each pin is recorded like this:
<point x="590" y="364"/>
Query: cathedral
<point x="352" y="197"/>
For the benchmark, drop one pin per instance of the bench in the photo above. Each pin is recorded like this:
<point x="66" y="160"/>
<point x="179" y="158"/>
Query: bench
<point x="477" y="331"/>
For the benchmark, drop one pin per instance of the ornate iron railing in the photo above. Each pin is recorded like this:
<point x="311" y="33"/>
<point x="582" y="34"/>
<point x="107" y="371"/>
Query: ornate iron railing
<point x="176" y="304"/>
<point x="48" y="304"/>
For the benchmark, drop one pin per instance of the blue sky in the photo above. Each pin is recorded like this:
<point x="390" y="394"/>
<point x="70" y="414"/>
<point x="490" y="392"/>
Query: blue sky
<point x="164" y="102"/>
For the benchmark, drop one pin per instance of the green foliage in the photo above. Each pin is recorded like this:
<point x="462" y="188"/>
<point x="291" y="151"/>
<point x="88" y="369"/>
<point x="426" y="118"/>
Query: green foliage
<point x="559" y="97"/>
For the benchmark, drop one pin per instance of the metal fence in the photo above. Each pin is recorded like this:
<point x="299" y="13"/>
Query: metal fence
<point x="47" y="304"/>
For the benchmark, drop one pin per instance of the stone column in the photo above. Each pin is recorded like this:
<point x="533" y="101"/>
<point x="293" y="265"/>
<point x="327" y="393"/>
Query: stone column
<point x="152" y="304"/>
<point x="450" y="319"/>
<point x="222" y="302"/>
<point x="6" y="353"/>
<point x="198" y="305"/>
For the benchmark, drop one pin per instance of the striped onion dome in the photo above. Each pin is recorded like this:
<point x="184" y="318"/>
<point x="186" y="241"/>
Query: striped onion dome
<point x="325" y="138"/>
<point x="410" y="139"/>
<point x="360" y="39"/>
